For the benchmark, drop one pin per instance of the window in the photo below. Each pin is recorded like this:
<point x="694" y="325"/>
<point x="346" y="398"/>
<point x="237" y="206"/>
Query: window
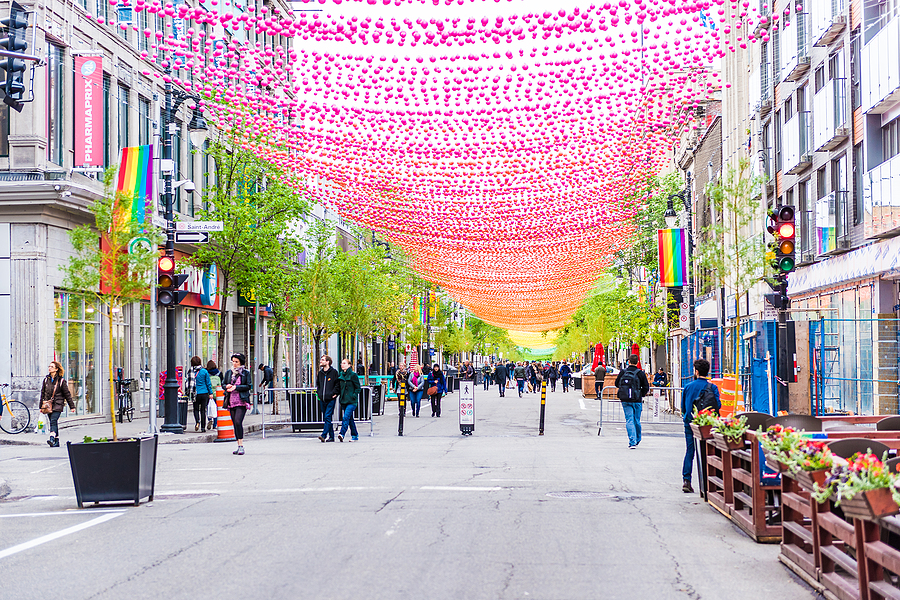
<point x="857" y="184"/>
<point x="821" y="183"/>
<point x="189" y="197"/>
<point x="143" y="121"/>
<point x="4" y="130"/>
<point x="788" y="109"/>
<point x="75" y="340"/>
<point x="143" y="25"/>
<point x="820" y="78"/>
<point x="145" y="374"/>
<point x="776" y="52"/>
<point x="804" y="217"/>
<point x="123" y="116"/>
<point x="767" y="146"/>
<point x="778" y="141"/>
<point x="890" y="139"/>
<point x="209" y="336"/>
<point x="188" y="315"/>
<point x="107" y="85"/>
<point x="176" y="156"/>
<point x="855" y="77"/>
<point x="56" y="77"/>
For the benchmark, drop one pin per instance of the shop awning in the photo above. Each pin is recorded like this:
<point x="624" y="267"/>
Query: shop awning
<point x="881" y="258"/>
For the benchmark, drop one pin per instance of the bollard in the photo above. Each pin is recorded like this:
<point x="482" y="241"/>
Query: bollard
<point x="543" y="404"/>
<point x="401" y="398"/>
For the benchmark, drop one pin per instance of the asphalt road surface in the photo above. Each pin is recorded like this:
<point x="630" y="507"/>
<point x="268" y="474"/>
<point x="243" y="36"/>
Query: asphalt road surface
<point x="503" y="514"/>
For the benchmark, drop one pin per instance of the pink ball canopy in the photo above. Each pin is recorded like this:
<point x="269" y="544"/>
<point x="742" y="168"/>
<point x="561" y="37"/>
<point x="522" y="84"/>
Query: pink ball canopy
<point x="505" y="152"/>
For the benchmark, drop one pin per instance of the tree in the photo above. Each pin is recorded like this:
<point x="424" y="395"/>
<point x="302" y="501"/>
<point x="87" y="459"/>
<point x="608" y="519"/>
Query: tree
<point x="316" y="290"/>
<point x="734" y="258"/>
<point x="106" y="267"/>
<point x="256" y="203"/>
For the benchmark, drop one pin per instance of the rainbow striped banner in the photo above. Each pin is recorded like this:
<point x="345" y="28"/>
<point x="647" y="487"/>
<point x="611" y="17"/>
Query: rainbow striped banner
<point x="136" y="181"/>
<point x="673" y="268"/>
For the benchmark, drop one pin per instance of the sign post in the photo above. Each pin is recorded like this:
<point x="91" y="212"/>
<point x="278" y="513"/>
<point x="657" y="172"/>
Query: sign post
<point x="467" y="407"/>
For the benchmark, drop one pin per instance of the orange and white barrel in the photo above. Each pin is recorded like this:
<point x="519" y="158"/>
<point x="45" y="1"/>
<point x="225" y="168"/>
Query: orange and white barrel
<point x="224" y="425"/>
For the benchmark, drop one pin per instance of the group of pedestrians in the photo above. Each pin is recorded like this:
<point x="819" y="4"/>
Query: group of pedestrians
<point x="337" y="388"/>
<point x="527" y="375"/>
<point x="421" y="381"/>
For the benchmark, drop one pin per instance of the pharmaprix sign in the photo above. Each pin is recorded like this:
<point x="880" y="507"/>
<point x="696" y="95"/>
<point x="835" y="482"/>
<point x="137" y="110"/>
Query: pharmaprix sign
<point x="88" y="111"/>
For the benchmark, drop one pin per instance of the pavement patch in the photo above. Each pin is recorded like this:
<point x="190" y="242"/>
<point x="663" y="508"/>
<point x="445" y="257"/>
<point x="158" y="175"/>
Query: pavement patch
<point x="593" y="495"/>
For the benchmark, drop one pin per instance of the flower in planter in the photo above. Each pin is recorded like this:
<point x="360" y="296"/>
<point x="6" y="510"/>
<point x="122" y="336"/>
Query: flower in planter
<point x="705" y="417"/>
<point x="812" y="455"/>
<point x="861" y="473"/>
<point x="780" y="442"/>
<point x="732" y="428"/>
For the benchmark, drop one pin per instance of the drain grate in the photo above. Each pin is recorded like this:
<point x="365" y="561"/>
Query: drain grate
<point x="580" y="495"/>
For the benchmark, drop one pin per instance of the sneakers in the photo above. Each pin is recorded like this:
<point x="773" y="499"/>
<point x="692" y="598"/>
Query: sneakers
<point x="53" y="442"/>
<point x="632" y="447"/>
<point x="322" y="438"/>
<point x="196" y="426"/>
<point x="239" y="451"/>
<point x="686" y="487"/>
<point x="340" y="437"/>
<point x="355" y="438"/>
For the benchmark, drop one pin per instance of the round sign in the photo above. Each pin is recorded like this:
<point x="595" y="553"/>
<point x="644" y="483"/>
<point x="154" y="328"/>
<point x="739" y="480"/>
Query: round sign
<point x="139" y="244"/>
<point x="88" y="67"/>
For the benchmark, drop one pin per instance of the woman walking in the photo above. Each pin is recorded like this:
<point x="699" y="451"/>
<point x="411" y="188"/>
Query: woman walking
<point x="198" y="387"/>
<point x="238" y="384"/>
<point x="417" y="389"/>
<point x="215" y="379"/>
<point x="436" y="385"/>
<point x="55" y="395"/>
<point x="349" y="398"/>
<point x="553" y="375"/>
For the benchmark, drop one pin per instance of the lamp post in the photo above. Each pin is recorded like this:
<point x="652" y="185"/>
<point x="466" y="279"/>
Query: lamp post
<point x="671" y="220"/>
<point x="197" y="129"/>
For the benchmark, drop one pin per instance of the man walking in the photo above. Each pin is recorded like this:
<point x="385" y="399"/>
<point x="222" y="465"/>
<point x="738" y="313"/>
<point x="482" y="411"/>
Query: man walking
<point x="565" y="373"/>
<point x="520" y="377"/>
<point x="500" y="377"/>
<point x="599" y="376"/>
<point x="699" y="394"/>
<point x="486" y="375"/>
<point x="467" y="372"/>
<point x="327" y="390"/>
<point x="633" y="386"/>
<point x="268" y="381"/>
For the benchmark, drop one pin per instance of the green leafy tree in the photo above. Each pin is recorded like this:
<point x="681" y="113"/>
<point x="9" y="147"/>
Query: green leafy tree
<point x="103" y="267"/>
<point x="315" y="295"/>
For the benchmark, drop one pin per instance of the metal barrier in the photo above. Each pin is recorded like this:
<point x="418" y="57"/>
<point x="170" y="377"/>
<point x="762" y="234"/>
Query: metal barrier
<point x="663" y="403"/>
<point x="303" y="406"/>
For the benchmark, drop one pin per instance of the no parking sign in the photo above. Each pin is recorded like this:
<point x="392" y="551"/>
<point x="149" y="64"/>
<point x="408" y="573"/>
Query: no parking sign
<point x="467" y="407"/>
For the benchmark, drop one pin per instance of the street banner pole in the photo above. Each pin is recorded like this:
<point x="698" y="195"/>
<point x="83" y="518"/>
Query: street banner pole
<point x="467" y="407"/>
<point x="543" y="404"/>
<point x="401" y="398"/>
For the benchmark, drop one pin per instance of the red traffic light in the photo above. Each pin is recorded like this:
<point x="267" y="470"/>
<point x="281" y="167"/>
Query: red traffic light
<point x="786" y="230"/>
<point x="166" y="264"/>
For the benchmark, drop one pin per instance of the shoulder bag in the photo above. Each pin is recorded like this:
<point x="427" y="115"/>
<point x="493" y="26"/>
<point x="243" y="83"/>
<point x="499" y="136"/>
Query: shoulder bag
<point x="47" y="405"/>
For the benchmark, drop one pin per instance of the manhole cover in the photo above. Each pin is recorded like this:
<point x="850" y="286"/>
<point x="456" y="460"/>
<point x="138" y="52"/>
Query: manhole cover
<point x="580" y="495"/>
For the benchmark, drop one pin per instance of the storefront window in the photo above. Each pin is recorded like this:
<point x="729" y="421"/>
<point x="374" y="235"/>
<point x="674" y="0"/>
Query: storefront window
<point x="75" y="345"/>
<point x="209" y="337"/>
<point x="119" y="332"/>
<point x="188" y="315"/>
<point x="145" y="354"/>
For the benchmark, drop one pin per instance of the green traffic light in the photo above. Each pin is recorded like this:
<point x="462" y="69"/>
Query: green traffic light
<point x="786" y="264"/>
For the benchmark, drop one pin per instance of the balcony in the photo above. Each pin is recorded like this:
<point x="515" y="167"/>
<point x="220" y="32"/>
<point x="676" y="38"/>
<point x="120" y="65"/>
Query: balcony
<point x="828" y="20"/>
<point x="881" y="199"/>
<point x="829" y="108"/>
<point x="832" y="226"/>
<point x="880" y="69"/>
<point x="796" y="49"/>
<point x="797" y="144"/>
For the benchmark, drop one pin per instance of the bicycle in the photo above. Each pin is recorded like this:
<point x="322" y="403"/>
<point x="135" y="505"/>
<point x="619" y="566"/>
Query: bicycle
<point x="19" y="415"/>
<point x="124" y="401"/>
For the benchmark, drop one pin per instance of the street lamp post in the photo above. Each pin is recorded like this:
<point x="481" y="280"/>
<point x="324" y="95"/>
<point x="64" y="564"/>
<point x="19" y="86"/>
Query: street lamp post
<point x="197" y="129"/>
<point x="671" y="219"/>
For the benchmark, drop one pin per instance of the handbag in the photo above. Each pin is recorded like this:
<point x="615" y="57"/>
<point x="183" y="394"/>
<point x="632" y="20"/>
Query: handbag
<point x="432" y="390"/>
<point x="47" y="405"/>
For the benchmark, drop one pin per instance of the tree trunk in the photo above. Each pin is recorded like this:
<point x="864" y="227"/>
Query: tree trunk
<point x="223" y="322"/>
<point x="276" y="359"/>
<point x="112" y="385"/>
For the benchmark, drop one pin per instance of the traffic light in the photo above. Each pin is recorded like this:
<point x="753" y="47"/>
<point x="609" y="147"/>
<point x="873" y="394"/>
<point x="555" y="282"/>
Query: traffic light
<point x="782" y="253"/>
<point x="168" y="282"/>
<point x="14" y="68"/>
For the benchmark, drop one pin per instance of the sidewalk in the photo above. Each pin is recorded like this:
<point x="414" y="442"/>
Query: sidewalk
<point x="139" y="427"/>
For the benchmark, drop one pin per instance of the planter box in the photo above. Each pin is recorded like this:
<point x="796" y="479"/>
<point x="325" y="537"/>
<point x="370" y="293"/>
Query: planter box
<point x="702" y="433"/>
<point x="870" y="505"/>
<point x="808" y="478"/>
<point x="727" y="443"/>
<point x="775" y="464"/>
<point x="120" y="471"/>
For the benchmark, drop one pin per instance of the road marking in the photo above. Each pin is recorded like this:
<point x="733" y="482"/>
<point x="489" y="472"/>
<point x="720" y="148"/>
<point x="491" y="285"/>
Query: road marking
<point x="61" y="533"/>
<point x="452" y="488"/>
<point x="71" y="511"/>
<point x="48" y="468"/>
<point x="202" y="469"/>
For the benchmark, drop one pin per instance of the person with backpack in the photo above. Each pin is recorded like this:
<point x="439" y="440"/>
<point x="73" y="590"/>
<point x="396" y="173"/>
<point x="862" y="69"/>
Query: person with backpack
<point x="633" y="386"/>
<point x="700" y="394"/>
<point x="565" y="373"/>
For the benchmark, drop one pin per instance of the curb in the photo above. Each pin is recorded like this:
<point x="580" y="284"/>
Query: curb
<point x="4" y="489"/>
<point x="163" y="439"/>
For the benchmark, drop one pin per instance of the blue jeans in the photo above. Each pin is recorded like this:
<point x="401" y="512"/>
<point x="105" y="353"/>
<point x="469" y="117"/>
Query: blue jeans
<point x="502" y="386"/>
<point x="521" y="384"/>
<point x="633" y="421"/>
<point x="565" y="382"/>
<point x="328" y="411"/>
<point x="486" y="380"/>
<point x="688" y="466"/>
<point x="348" y="421"/>
<point x="415" y="401"/>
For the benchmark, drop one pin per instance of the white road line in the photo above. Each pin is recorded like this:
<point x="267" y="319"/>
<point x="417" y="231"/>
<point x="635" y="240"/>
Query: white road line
<point x="56" y="535"/>
<point x="71" y="511"/>
<point x="451" y="488"/>
<point x="199" y="469"/>
<point x="48" y="468"/>
<point x="581" y="402"/>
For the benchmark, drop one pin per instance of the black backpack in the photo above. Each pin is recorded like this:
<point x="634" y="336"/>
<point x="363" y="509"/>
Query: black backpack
<point x="706" y="399"/>
<point x="629" y="386"/>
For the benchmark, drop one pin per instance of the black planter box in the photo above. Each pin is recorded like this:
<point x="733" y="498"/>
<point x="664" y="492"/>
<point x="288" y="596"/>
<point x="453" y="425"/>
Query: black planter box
<point x="120" y="471"/>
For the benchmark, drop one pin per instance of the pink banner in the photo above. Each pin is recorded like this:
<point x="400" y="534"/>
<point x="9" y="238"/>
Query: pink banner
<point x="88" y="111"/>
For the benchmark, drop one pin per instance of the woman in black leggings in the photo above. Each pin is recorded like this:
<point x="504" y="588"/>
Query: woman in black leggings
<point x="237" y="385"/>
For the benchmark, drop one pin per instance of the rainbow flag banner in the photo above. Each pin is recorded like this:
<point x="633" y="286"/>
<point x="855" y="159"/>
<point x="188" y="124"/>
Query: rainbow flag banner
<point x="136" y="181"/>
<point x="673" y="268"/>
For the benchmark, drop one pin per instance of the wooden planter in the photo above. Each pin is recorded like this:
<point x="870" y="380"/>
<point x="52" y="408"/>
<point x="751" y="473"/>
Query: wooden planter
<point x="870" y="505"/>
<point x="774" y="464"/>
<point x="702" y="433"/>
<point x="727" y="443"/>
<point x="808" y="478"/>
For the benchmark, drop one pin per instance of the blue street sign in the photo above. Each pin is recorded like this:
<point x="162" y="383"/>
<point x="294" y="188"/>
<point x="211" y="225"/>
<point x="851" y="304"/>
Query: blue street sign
<point x="390" y="344"/>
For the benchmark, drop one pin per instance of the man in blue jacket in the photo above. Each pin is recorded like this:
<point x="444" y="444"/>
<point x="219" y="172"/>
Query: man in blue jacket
<point x="689" y="397"/>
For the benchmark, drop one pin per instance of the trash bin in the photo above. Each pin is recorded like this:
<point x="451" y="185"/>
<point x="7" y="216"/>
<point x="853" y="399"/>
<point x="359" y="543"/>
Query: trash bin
<point x="577" y="383"/>
<point x="451" y="384"/>
<point x="183" y="411"/>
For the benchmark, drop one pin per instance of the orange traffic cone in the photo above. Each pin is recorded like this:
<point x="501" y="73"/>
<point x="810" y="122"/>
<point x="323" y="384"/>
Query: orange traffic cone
<point x="224" y="424"/>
